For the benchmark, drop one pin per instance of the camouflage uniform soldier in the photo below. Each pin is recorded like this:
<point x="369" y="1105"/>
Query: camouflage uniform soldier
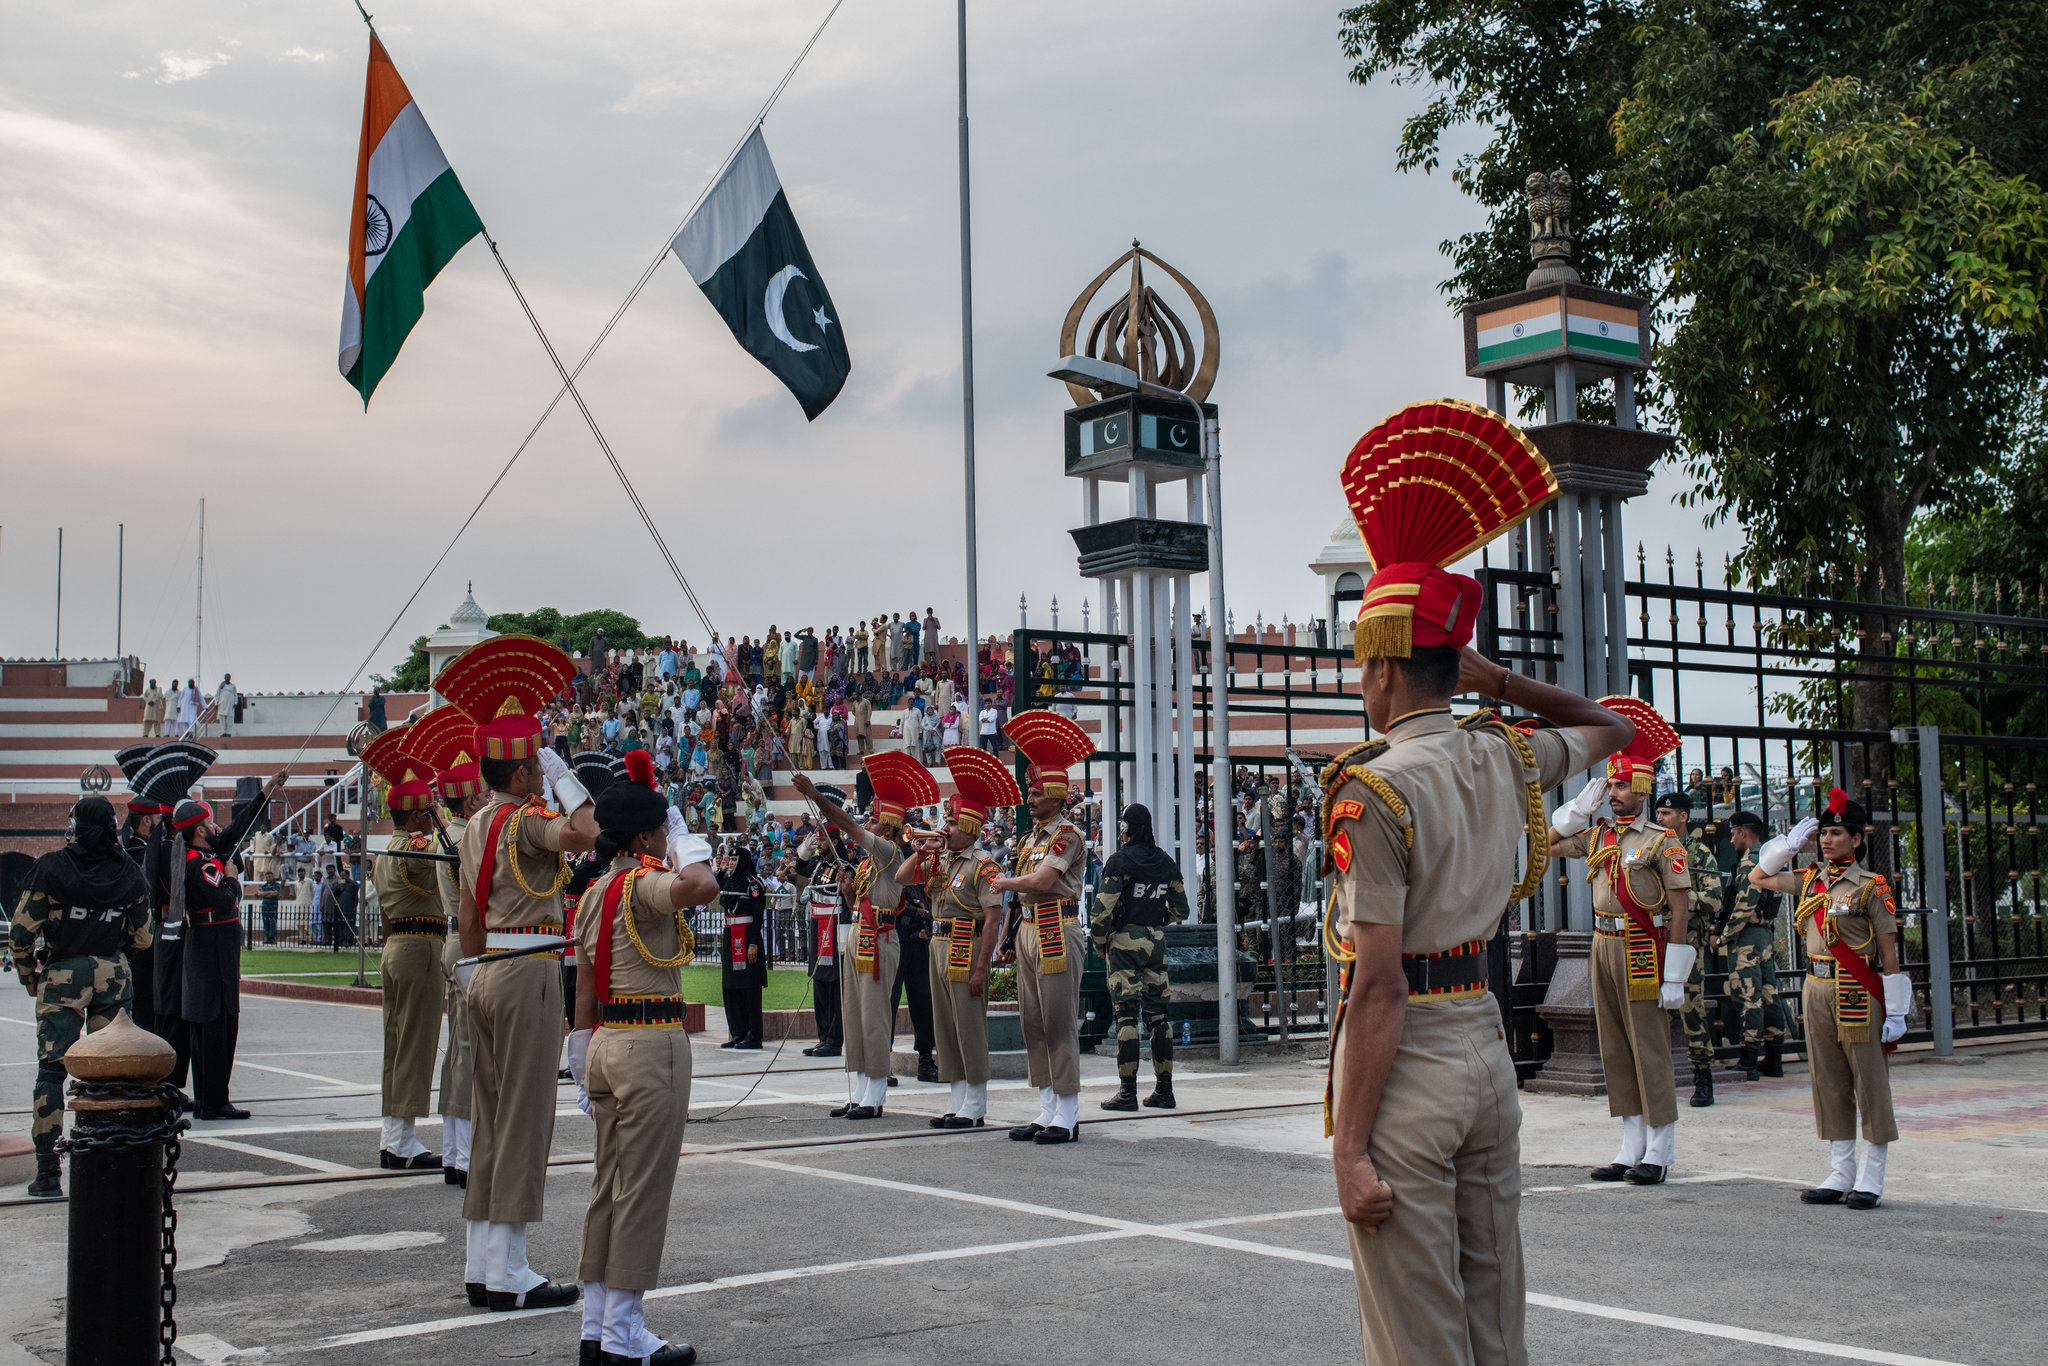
<point x="1141" y="895"/>
<point x="1751" y="938"/>
<point x="88" y="905"/>
<point x="1705" y="900"/>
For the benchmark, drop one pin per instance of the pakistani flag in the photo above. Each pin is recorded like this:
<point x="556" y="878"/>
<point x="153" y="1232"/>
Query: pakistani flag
<point x="411" y="217"/>
<point x="743" y="248"/>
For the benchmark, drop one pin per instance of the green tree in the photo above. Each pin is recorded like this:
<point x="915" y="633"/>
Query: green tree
<point x="621" y="632"/>
<point x="411" y="676"/>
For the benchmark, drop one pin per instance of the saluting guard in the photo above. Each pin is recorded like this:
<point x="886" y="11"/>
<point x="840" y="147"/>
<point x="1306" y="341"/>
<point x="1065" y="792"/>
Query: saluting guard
<point x="409" y="967"/>
<point x="446" y="738"/>
<point x="631" y="1056"/>
<point x="513" y="872"/>
<point x="1854" y="1017"/>
<point x="1422" y="830"/>
<point x="959" y="880"/>
<point x="1641" y="884"/>
<point x="1052" y="860"/>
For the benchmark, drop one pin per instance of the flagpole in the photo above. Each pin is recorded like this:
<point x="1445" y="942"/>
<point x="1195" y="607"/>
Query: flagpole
<point x="967" y="399"/>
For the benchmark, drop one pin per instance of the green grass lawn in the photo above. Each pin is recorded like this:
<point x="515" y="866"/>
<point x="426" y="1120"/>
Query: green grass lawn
<point x="788" y="988"/>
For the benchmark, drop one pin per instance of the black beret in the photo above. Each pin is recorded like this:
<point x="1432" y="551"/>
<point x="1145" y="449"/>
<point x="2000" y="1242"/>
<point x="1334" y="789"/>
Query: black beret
<point x="627" y="808"/>
<point x="1677" y="797"/>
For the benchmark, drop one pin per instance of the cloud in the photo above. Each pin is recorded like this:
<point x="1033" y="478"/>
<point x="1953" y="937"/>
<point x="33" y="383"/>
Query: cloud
<point x="302" y="56"/>
<point x="173" y="67"/>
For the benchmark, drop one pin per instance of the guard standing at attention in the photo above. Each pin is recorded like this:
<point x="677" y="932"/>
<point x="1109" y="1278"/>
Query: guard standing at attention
<point x="1749" y="937"/>
<point x="959" y="881"/>
<point x="88" y="906"/>
<point x="1673" y="811"/>
<point x="1422" y="830"/>
<point x="141" y="838"/>
<point x="869" y="956"/>
<point x="1854" y="1018"/>
<point x="1141" y="894"/>
<point x="1051" y="861"/>
<point x="409" y="967"/>
<point x="1641" y="958"/>
<point x="165" y="778"/>
<point x="446" y="738"/>
<point x="822" y="900"/>
<point x="631" y="1056"/>
<point x="510" y="898"/>
<point x="595" y="770"/>
<point x="744" y="974"/>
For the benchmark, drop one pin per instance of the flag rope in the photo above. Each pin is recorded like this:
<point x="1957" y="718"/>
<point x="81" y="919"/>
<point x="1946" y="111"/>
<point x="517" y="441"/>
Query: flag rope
<point x="568" y="380"/>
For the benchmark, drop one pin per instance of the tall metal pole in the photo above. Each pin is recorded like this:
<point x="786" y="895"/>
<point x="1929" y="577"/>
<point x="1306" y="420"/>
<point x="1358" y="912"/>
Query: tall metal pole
<point x="199" y="604"/>
<point x="57" y="649"/>
<point x="1941" y="1004"/>
<point x="1221" y="837"/>
<point x="120" y="580"/>
<point x="967" y="400"/>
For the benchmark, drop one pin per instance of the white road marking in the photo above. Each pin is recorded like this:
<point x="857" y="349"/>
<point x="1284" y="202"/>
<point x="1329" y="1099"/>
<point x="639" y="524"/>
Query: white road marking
<point x="1840" y="1351"/>
<point x="373" y="1242"/>
<point x="205" y="1347"/>
<point x="302" y="1076"/>
<point x="312" y="1164"/>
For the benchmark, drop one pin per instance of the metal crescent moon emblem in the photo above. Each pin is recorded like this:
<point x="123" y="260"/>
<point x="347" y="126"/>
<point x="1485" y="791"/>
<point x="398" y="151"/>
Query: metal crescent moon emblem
<point x="1177" y="434"/>
<point x="771" y="304"/>
<point x="95" y="779"/>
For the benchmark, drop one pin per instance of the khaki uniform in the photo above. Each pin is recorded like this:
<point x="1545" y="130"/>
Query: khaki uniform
<point x="866" y="1001"/>
<point x="1849" y="1077"/>
<point x="455" y="1063"/>
<point x="515" y="1016"/>
<point x="961" y="888"/>
<point x="153" y="711"/>
<point x="1441" y="1280"/>
<point x="1635" y="1036"/>
<point x="638" y="1080"/>
<point x="415" y="932"/>
<point x="1050" y="1002"/>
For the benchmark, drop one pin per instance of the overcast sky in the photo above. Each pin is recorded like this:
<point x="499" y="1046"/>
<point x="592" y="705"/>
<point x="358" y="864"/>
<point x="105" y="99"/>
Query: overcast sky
<point x="176" y="182"/>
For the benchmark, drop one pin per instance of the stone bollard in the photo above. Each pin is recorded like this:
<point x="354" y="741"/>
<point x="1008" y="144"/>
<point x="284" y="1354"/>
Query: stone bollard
<point x="119" y="1285"/>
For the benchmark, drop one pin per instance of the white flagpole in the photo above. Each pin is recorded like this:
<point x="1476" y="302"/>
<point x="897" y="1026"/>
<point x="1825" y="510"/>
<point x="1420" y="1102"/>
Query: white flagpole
<point x="967" y="400"/>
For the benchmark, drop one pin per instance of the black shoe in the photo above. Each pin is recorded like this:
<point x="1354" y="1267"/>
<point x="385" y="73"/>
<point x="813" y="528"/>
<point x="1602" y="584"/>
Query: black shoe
<point x="455" y="1176"/>
<point x="839" y="1111"/>
<point x="48" y="1184"/>
<point x="927" y="1068"/>
<point x="479" y="1297"/>
<point x="546" y="1295"/>
<point x="1613" y="1171"/>
<point x="1820" y="1195"/>
<point x="219" y="1112"/>
<point x="811" y="1052"/>
<point x="1024" y="1133"/>
<point x="1126" y="1097"/>
<point x="1053" y="1133"/>
<point x="962" y="1122"/>
<point x="1774" y="1058"/>
<point x="1702" y="1086"/>
<point x="1644" y="1174"/>
<point x="564" y="1074"/>
<point x="732" y="1043"/>
<point x="419" y="1162"/>
<point x="1746" y="1062"/>
<point x="748" y="1045"/>
<point x="1862" y="1200"/>
<point x="864" y="1112"/>
<point x="944" y="1121"/>
<point x="892" y="1078"/>
<point x="588" y="1351"/>
<point x="670" y="1354"/>
<point x="1162" y="1094"/>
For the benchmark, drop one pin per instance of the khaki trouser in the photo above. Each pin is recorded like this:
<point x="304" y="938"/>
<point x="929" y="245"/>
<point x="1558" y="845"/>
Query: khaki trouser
<point x="1635" y="1040"/>
<point x="959" y="1024"/>
<point x="515" y="1018"/>
<point x="867" y="1015"/>
<point x="1848" y="1079"/>
<point x="410" y="969"/>
<point x="639" y="1086"/>
<point x="1050" y="1005"/>
<point x="455" y="1063"/>
<point x="1440" y="1283"/>
<point x="152" y="725"/>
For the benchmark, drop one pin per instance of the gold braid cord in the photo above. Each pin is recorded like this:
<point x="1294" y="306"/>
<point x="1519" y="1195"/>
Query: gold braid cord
<point x="512" y="857"/>
<point x="688" y="951"/>
<point x="1334" y="775"/>
<point x="1538" y="828"/>
<point x="432" y="891"/>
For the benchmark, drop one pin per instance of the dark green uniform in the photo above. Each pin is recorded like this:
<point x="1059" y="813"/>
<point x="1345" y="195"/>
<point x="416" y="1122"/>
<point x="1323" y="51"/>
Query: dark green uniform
<point x="1703" y="908"/>
<point x="71" y="930"/>
<point x="1750" y="940"/>
<point x="1141" y="894"/>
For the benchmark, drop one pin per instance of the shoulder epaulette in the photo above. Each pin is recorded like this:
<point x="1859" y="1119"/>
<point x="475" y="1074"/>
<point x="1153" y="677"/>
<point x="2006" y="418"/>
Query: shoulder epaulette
<point x="1537" y="825"/>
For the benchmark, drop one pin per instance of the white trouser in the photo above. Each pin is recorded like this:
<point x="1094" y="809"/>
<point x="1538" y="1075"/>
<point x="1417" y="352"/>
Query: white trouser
<point x="1660" y="1141"/>
<point x="1047" y="1102"/>
<point x="1066" y="1112"/>
<point x="617" y="1319"/>
<point x="1841" y="1165"/>
<point x="400" y="1138"/>
<point x="1870" y="1172"/>
<point x="455" y="1142"/>
<point x="972" y="1100"/>
<point x="1641" y="1143"/>
<point x="504" y="1258"/>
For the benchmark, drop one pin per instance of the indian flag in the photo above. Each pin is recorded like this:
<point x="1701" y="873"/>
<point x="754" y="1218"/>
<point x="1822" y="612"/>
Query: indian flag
<point x="411" y="217"/>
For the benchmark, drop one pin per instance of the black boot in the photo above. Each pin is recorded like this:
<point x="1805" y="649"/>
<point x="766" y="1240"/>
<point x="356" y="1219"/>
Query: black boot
<point x="1126" y="1097"/>
<point x="1746" y="1060"/>
<point x="1774" y="1058"/>
<point x="1702" y="1086"/>
<point x="48" y="1184"/>
<point x="1162" y="1093"/>
<point x="927" y="1067"/>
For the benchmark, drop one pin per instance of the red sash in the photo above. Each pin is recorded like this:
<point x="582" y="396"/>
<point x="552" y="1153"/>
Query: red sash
<point x="824" y="929"/>
<point x="736" y="940"/>
<point x="1847" y="960"/>
<point x="488" y="863"/>
<point x="1644" y="942"/>
<point x="608" y="915"/>
<point x="867" y="940"/>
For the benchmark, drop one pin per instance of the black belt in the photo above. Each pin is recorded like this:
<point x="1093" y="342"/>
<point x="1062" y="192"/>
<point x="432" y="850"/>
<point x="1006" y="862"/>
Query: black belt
<point x="1149" y="920"/>
<point x="1458" y="971"/>
<point x="215" y="919"/>
<point x="646" y="1010"/>
<point x="427" y="926"/>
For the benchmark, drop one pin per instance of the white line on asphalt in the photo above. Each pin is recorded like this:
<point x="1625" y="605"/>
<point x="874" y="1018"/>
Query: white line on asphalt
<point x="1840" y="1351"/>
<point x="302" y="1076"/>
<point x="9" y="1019"/>
<point x="312" y="1164"/>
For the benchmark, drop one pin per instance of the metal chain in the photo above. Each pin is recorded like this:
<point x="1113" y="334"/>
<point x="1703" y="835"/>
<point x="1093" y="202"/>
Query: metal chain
<point x="166" y="1129"/>
<point x="167" y="1330"/>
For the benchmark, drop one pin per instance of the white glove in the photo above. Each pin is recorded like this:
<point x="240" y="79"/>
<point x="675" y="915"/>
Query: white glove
<point x="1576" y="814"/>
<point x="686" y="849"/>
<point x="1898" y="1003"/>
<point x="1777" y="855"/>
<point x="553" y="766"/>
<point x="1678" y="961"/>
<point x="678" y="825"/>
<point x="579" y="1062"/>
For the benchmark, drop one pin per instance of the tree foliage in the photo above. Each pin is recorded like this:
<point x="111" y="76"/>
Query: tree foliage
<point x="621" y="632"/>
<point x="410" y="676"/>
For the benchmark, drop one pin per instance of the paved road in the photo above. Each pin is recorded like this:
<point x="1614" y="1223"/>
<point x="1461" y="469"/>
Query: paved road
<point x="1209" y="1233"/>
